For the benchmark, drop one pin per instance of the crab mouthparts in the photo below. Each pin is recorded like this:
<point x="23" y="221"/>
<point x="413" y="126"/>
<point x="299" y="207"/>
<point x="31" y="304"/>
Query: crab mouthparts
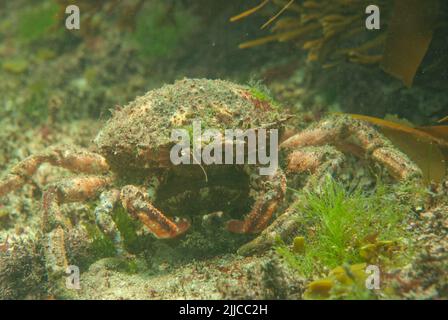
<point x="227" y="191"/>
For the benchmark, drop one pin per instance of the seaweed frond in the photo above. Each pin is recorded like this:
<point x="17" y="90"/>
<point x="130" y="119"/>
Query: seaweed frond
<point x="333" y="31"/>
<point x="426" y="146"/>
<point x="338" y="224"/>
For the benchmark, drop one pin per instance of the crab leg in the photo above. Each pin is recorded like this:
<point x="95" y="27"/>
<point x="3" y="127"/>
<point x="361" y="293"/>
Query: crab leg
<point x="76" y="160"/>
<point x="313" y="151"/>
<point x="103" y="218"/>
<point x="53" y="223"/>
<point x="318" y="161"/>
<point x="54" y="250"/>
<point x="273" y="192"/>
<point x="138" y="205"/>
<point x="66" y="191"/>
<point x="358" y="138"/>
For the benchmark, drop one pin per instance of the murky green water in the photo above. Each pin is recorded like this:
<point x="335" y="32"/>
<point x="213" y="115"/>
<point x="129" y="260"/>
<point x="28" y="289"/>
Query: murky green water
<point x="118" y="178"/>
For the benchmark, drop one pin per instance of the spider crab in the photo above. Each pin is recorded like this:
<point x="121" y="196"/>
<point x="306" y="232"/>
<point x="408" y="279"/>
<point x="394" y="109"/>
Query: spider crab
<point x="133" y="159"/>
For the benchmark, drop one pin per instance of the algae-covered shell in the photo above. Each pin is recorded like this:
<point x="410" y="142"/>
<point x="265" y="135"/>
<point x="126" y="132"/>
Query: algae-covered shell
<point x="139" y="134"/>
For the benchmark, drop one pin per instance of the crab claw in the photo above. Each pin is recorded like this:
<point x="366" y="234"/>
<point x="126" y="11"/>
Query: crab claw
<point x="136" y="202"/>
<point x="257" y="220"/>
<point x="164" y="228"/>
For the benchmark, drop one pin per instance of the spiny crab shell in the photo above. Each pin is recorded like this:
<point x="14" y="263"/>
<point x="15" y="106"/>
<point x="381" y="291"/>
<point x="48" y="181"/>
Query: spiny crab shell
<point x="138" y="135"/>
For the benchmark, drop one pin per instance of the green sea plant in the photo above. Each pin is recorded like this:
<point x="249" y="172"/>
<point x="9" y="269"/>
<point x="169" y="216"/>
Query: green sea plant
<point x="298" y="245"/>
<point x="426" y="146"/>
<point x="339" y="224"/>
<point x="343" y="282"/>
<point x="4" y="218"/>
<point x="261" y="92"/>
<point x="102" y="246"/>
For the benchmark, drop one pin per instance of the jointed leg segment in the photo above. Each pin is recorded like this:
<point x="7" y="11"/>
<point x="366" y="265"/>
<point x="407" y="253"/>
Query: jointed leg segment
<point x="76" y="160"/>
<point x="54" y="224"/>
<point x="103" y="217"/>
<point x="358" y="138"/>
<point x="318" y="161"/>
<point x="265" y="205"/>
<point x="317" y="151"/>
<point x="67" y="191"/>
<point x="138" y="205"/>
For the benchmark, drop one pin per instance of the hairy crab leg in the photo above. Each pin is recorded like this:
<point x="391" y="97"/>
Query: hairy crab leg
<point x="103" y="217"/>
<point x="274" y="189"/>
<point x="76" y="160"/>
<point x="314" y="151"/>
<point x="318" y="161"/>
<point x="53" y="223"/>
<point x="56" y="261"/>
<point x="67" y="191"/>
<point x="139" y="206"/>
<point x="283" y="227"/>
<point x="351" y="134"/>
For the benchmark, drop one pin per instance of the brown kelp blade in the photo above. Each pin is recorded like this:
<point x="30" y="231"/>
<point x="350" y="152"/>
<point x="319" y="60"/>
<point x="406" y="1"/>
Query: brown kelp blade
<point x="445" y="119"/>
<point x="439" y="132"/>
<point x="249" y="12"/>
<point x="258" y="42"/>
<point x="278" y="14"/>
<point x="281" y="37"/>
<point x="428" y="156"/>
<point x="423" y="145"/>
<point x="431" y="134"/>
<point x="408" y="37"/>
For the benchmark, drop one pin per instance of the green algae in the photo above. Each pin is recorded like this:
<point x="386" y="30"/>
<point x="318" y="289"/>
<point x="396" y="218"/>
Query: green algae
<point x="16" y="66"/>
<point x="343" y="282"/>
<point x="298" y="245"/>
<point x="339" y="224"/>
<point x="101" y="246"/>
<point x="262" y="93"/>
<point x="5" y="218"/>
<point x="156" y="37"/>
<point x="44" y="54"/>
<point x="36" y="22"/>
<point x="36" y="108"/>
